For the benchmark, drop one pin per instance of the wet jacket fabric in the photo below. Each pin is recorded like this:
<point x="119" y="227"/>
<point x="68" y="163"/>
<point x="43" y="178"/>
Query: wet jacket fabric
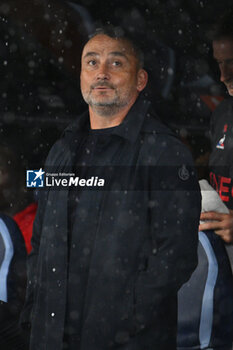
<point x="144" y="246"/>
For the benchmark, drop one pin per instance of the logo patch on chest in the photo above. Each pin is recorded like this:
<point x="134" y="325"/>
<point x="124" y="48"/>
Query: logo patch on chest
<point x="221" y="142"/>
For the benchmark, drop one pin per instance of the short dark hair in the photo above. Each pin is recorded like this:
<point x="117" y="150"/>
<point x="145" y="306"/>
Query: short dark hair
<point x="119" y="33"/>
<point x="224" y="27"/>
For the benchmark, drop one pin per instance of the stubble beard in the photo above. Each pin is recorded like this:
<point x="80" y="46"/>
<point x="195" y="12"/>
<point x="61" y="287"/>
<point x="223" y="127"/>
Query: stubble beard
<point x="108" y="107"/>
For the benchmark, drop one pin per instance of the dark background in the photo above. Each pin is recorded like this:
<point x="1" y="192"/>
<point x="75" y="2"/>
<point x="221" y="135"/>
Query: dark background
<point x="41" y="43"/>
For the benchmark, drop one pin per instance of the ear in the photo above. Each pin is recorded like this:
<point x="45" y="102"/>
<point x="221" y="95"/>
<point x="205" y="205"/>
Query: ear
<point x="142" y="79"/>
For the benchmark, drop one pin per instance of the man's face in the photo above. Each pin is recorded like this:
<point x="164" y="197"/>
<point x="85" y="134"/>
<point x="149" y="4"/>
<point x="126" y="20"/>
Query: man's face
<point x="110" y="76"/>
<point x="223" y="54"/>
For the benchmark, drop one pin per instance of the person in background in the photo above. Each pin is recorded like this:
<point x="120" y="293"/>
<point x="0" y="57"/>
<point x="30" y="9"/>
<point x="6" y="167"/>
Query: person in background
<point x="206" y="301"/>
<point x="221" y="158"/>
<point x="12" y="284"/>
<point x="107" y="261"/>
<point x="16" y="201"/>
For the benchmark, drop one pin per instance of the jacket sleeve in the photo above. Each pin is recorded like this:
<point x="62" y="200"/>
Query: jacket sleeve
<point x="175" y="211"/>
<point x="53" y="158"/>
<point x="25" y="318"/>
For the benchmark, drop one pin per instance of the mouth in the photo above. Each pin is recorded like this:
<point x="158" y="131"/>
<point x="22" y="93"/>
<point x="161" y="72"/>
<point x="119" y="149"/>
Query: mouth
<point x="102" y="88"/>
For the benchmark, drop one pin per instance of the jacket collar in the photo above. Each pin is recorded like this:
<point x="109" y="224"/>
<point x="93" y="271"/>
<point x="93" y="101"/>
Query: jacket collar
<point x="129" y="129"/>
<point x="131" y="126"/>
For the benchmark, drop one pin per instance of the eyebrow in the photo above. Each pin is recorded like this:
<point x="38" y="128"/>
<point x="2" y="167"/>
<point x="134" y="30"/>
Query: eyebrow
<point x="113" y="53"/>
<point x="89" y="54"/>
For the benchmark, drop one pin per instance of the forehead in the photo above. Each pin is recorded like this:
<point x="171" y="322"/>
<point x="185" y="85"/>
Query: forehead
<point x="223" y="48"/>
<point x="103" y="45"/>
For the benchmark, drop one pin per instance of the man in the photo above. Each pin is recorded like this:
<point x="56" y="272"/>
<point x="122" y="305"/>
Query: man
<point x="107" y="263"/>
<point x="221" y="159"/>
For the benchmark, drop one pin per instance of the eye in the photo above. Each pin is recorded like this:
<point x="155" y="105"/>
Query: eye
<point x="116" y="63"/>
<point x="91" y="62"/>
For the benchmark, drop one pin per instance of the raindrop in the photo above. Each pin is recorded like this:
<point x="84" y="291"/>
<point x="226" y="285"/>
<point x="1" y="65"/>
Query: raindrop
<point x="86" y="251"/>
<point x="31" y="64"/>
<point x="13" y="48"/>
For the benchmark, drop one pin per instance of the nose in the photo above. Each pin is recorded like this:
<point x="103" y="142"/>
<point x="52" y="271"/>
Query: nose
<point x="225" y="72"/>
<point x="103" y="72"/>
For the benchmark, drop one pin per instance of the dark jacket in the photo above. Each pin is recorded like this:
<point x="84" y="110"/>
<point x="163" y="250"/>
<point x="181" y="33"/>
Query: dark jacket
<point x="145" y="242"/>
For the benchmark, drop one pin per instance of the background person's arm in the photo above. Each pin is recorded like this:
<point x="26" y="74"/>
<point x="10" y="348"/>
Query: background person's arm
<point x="222" y="224"/>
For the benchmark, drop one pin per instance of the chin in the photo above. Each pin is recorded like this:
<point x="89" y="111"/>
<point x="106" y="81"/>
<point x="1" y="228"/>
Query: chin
<point x="102" y="103"/>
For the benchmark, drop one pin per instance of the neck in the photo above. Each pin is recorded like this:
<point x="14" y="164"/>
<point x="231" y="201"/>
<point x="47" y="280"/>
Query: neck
<point x="99" y="120"/>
